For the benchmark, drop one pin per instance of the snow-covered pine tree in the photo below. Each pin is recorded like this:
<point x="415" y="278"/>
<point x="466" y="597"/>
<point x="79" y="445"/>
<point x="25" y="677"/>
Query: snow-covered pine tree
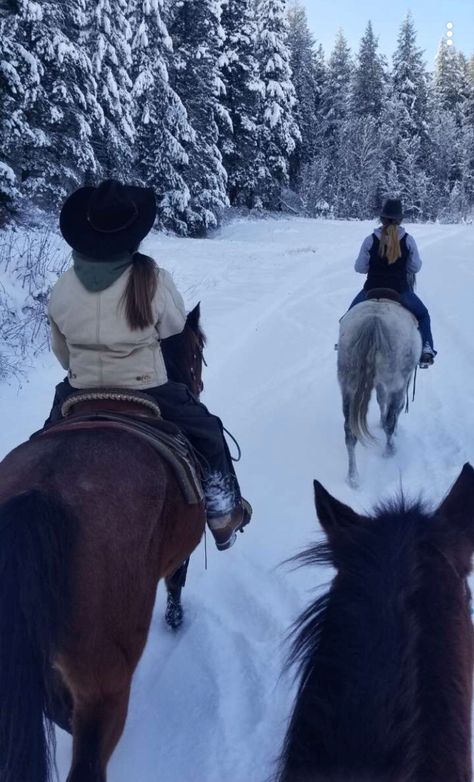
<point x="409" y="80"/>
<point x="336" y="96"/>
<point x="196" y="31"/>
<point x="162" y="127"/>
<point x="334" y="112"/>
<point x="19" y="82"/>
<point x="469" y="105"/>
<point x="467" y="89"/>
<point x="110" y="46"/>
<point x="368" y="88"/>
<point x="57" y="152"/>
<point x="360" y="177"/>
<point x="307" y="68"/>
<point x="243" y="91"/>
<point x="467" y="134"/>
<point x="451" y="80"/>
<point x="279" y="132"/>
<point x="444" y="159"/>
<point x="319" y="71"/>
<point x="408" y="133"/>
<point x="353" y="128"/>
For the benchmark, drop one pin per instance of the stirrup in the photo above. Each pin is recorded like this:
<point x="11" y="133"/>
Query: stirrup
<point x="224" y="529"/>
<point x="426" y="360"/>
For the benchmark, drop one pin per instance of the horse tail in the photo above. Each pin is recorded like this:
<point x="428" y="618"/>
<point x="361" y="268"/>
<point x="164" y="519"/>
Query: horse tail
<point x="372" y="339"/>
<point x="35" y="544"/>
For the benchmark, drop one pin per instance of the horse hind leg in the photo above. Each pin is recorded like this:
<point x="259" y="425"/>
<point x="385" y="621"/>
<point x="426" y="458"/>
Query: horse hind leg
<point x="97" y="728"/>
<point x="351" y="441"/>
<point x="382" y="402"/>
<point x="174" y="585"/>
<point x="394" y="408"/>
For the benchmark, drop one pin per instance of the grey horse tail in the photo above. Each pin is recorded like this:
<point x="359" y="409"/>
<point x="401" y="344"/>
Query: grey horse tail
<point x="373" y="337"/>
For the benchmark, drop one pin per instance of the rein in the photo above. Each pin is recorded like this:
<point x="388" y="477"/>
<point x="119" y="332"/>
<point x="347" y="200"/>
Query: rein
<point x="239" y="450"/>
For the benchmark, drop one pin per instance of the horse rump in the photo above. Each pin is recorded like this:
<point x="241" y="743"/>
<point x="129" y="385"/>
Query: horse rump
<point x="36" y="537"/>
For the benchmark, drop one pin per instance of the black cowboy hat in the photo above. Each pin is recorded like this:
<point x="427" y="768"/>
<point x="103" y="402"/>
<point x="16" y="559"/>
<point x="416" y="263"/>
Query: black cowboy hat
<point x="107" y="220"/>
<point x="392" y="209"/>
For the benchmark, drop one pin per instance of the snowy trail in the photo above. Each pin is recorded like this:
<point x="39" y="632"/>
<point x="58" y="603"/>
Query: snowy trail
<point x="211" y="703"/>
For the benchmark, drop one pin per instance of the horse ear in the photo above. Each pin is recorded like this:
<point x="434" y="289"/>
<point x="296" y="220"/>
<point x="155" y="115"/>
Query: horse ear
<point x="193" y="317"/>
<point x="457" y="508"/>
<point x="335" y="517"/>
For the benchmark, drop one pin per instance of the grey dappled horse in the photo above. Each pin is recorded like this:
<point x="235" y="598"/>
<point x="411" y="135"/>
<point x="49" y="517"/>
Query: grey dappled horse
<point x="379" y="347"/>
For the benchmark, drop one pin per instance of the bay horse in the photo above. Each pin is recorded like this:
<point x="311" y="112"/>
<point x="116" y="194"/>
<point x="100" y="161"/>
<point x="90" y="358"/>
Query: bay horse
<point x="386" y="656"/>
<point x="379" y="347"/>
<point x="90" y="521"/>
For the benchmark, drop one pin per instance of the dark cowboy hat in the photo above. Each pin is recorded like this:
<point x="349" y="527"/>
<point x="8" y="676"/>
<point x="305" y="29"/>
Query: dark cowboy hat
<point x="107" y="220"/>
<point x="392" y="209"/>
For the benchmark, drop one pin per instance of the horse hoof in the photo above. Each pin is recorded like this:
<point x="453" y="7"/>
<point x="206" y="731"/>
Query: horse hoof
<point x="174" y="613"/>
<point x="353" y="481"/>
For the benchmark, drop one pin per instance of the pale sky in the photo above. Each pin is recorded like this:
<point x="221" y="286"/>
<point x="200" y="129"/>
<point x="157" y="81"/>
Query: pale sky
<point x="431" y="18"/>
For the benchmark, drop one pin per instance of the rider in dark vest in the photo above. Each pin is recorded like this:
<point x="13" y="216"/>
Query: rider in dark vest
<point x="390" y="259"/>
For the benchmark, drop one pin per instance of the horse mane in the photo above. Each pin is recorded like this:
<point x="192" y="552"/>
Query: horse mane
<point x="353" y="648"/>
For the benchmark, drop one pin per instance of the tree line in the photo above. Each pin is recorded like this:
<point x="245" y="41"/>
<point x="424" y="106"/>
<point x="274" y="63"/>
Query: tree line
<point x="218" y="102"/>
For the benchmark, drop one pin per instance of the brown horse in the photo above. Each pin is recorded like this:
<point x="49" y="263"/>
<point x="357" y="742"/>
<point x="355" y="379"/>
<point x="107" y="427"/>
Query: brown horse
<point x="90" y="521"/>
<point x="386" y="656"/>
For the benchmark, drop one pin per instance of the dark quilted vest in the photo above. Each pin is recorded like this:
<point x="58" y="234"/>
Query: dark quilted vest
<point x="383" y="274"/>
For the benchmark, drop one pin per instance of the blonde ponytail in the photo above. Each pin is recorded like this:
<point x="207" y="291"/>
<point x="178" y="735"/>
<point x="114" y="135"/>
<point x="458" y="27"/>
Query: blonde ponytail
<point x="390" y="243"/>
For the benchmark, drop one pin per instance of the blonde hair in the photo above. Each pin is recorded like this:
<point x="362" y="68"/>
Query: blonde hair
<point x="389" y="242"/>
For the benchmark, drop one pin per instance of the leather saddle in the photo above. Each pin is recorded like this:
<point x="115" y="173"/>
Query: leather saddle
<point x="137" y="413"/>
<point x="383" y="293"/>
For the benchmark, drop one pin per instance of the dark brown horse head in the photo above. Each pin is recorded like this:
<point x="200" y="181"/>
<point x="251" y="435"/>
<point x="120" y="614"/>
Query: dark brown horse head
<point x="386" y="656"/>
<point x="184" y="353"/>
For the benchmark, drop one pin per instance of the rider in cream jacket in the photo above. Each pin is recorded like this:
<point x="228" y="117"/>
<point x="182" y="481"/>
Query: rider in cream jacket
<point x="92" y="339"/>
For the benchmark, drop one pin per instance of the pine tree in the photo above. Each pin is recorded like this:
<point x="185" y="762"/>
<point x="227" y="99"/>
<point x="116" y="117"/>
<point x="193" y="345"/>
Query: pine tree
<point x="306" y="66"/>
<point x="334" y="112"/>
<point x="368" y="87"/>
<point x="444" y="159"/>
<point x="451" y="80"/>
<point x="409" y="80"/>
<point x="360" y="177"/>
<point x="57" y="151"/>
<point x="198" y="36"/>
<point x="110" y="44"/>
<point x="160" y="118"/>
<point x="405" y="122"/>
<point x="279" y="132"/>
<point x="19" y="82"/>
<point x="243" y="90"/>
<point x="336" y="96"/>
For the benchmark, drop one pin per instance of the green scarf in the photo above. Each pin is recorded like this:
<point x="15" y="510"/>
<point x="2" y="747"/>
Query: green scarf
<point x="95" y="275"/>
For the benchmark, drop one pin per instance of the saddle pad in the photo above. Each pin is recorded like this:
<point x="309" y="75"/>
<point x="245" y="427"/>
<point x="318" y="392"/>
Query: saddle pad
<point x="165" y="438"/>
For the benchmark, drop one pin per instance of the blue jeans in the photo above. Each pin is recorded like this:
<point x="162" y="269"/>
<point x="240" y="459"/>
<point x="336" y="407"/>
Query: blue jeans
<point x="413" y="304"/>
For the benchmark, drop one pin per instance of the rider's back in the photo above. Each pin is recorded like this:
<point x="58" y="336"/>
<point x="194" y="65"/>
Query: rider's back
<point x="94" y="341"/>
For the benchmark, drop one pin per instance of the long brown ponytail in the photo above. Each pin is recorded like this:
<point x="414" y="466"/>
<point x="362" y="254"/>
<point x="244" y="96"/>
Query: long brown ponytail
<point x="140" y="291"/>
<point x="389" y="241"/>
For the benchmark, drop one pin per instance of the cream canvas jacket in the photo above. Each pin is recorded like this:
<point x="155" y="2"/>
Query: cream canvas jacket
<point x="91" y="338"/>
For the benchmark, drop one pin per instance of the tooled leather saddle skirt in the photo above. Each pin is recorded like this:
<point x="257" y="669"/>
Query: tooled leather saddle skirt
<point x="137" y="413"/>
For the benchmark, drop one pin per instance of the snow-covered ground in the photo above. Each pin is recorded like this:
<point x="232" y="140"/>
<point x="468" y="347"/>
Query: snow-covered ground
<point x="211" y="703"/>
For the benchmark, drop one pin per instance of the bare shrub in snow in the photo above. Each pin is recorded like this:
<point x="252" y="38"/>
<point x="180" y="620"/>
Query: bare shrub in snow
<point x="30" y="263"/>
